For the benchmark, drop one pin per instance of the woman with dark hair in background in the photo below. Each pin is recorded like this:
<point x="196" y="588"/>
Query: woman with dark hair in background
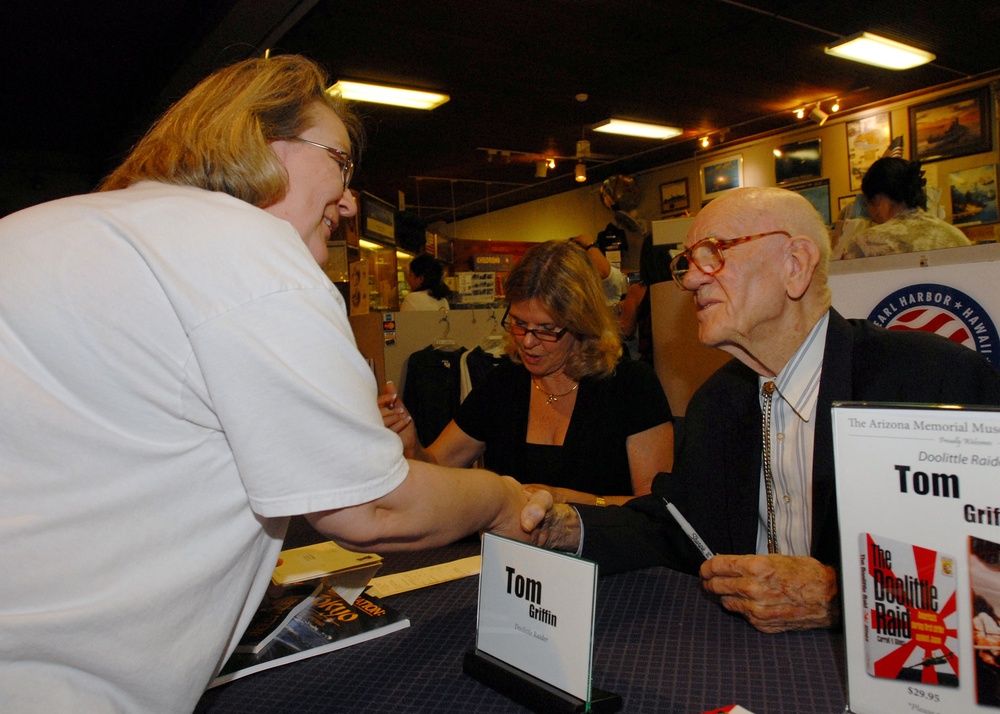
<point x="565" y="411"/>
<point x="897" y="204"/>
<point x="427" y="288"/>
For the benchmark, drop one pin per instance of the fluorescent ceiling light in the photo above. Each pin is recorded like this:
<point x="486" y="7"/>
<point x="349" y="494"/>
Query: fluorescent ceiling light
<point x="879" y="51"/>
<point x="396" y="96"/>
<point x="634" y="128"/>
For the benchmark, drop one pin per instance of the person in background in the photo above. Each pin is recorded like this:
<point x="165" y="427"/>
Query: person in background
<point x="179" y="377"/>
<point x="756" y="263"/>
<point x="897" y="204"/>
<point x="613" y="281"/>
<point x="636" y="319"/>
<point x="563" y="411"/>
<point x="427" y="288"/>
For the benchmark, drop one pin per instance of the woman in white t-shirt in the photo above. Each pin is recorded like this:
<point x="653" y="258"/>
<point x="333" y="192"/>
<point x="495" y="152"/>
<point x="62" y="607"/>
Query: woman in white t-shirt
<point x="427" y="288"/>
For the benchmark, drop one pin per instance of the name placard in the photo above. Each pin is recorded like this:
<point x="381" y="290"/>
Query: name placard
<point x="918" y="490"/>
<point x="536" y="612"/>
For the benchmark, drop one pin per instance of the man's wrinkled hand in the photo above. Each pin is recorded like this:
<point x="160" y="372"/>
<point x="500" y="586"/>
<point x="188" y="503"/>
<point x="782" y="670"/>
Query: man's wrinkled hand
<point x="551" y="525"/>
<point x="775" y="593"/>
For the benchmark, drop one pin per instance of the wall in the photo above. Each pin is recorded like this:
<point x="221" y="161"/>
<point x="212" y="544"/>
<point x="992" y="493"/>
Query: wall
<point x="581" y="210"/>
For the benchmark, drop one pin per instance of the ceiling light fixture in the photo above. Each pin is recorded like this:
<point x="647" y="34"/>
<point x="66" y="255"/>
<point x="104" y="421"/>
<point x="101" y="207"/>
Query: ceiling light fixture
<point x="800" y="113"/>
<point x="635" y="128"/>
<point x="541" y="169"/>
<point x="396" y="96"/>
<point x="835" y="107"/>
<point x="705" y="141"/>
<point x="581" y="172"/>
<point x="879" y="51"/>
<point x="818" y="115"/>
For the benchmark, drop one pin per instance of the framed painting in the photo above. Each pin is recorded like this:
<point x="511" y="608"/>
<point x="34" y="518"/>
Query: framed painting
<point x="867" y="140"/>
<point x="957" y="125"/>
<point x="674" y="196"/>
<point x="721" y="175"/>
<point x="818" y="194"/>
<point x="845" y="201"/>
<point x="974" y="195"/>
<point x="798" y="162"/>
<point x="377" y="219"/>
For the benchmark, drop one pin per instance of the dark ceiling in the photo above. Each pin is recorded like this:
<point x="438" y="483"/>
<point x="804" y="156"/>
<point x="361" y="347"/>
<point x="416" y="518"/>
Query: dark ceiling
<point x="83" y="79"/>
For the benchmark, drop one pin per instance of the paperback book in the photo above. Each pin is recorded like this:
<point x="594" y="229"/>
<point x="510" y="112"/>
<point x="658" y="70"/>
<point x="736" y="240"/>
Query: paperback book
<point x="309" y="562"/>
<point x="276" y="611"/>
<point x="298" y="577"/>
<point x="327" y="623"/>
<point x="908" y="595"/>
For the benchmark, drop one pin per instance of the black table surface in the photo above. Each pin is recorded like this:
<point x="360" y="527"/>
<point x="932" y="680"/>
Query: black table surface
<point x="659" y="642"/>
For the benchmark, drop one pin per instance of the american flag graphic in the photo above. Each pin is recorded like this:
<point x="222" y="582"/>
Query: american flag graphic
<point x="895" y="148"/>
<point x="936" y="320"/>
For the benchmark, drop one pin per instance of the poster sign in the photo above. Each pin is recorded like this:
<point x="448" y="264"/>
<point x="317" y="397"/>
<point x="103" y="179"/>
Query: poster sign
<point x="918" y="499"/>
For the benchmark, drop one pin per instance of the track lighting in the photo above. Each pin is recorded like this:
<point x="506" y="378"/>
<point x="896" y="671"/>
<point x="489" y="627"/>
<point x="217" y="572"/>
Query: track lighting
<point x="581" y="172"/>
<point x="800" y="113"/>
<point x="836" y="106"/>
<point x="705" y="141"/>
<point x="818" y="115"/>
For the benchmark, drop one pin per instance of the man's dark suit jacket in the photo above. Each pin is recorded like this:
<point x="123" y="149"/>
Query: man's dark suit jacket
<point x="716" y="477"/>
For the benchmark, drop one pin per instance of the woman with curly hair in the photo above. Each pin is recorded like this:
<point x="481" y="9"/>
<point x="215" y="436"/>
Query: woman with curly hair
<point x="566" y="411"/>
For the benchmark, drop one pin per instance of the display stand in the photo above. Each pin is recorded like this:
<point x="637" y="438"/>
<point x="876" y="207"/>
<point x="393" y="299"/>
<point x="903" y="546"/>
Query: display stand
<point x="531" y="692"/>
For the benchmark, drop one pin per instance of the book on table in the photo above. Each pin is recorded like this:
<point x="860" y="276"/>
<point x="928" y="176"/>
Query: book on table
<point x="326" y="624"/>
<point x="312" y="606"/>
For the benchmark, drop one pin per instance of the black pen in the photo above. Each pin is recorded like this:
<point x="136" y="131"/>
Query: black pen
<point x="689" y="530"/>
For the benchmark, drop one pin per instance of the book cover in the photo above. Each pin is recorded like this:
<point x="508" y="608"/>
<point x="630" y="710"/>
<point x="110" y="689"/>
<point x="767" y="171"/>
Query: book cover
<point x="277" y="609"/>
<point x="328" y="623"/>
<point x="319" y="560"/>
<point x="909" y="600"/>
<point x="984" y="580"/>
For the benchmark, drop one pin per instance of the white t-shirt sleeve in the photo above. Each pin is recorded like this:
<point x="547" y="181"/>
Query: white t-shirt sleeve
<point x="297" y="402"/>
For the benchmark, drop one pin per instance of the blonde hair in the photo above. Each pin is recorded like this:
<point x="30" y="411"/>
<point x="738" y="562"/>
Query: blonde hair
<point x="217" y="136"/>
<point x="560" y="276"/>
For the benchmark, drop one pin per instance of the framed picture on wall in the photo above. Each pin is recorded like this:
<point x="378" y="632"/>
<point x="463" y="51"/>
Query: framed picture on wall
<point x="867" y="140"/>
<point x="957" y="125"/>
<point x="721" y="175"/>
<point x="377" y="219"/>
<point x="974" y="195"/>
<point x="845" y="201"/>
<point x="798" y="162"/>
<point x="674" y="197"/>
<point x="818" y="194"/>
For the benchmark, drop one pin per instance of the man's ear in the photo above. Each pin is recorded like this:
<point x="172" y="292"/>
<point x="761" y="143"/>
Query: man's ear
<point x="801" y="256"/>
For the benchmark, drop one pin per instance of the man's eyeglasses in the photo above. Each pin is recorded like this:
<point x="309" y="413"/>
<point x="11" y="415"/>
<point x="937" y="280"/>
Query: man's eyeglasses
<point x="706" y="255"/>
<point x="342" y="158"/>
<point x="518" y="329"/>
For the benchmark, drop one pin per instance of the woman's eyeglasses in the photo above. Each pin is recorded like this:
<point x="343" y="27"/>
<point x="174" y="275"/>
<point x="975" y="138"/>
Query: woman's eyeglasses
<point x="518" y="329"/>
<point x="342" y="158"/>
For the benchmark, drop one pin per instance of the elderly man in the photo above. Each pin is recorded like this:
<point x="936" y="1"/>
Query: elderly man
<point x="756" y="264"/>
